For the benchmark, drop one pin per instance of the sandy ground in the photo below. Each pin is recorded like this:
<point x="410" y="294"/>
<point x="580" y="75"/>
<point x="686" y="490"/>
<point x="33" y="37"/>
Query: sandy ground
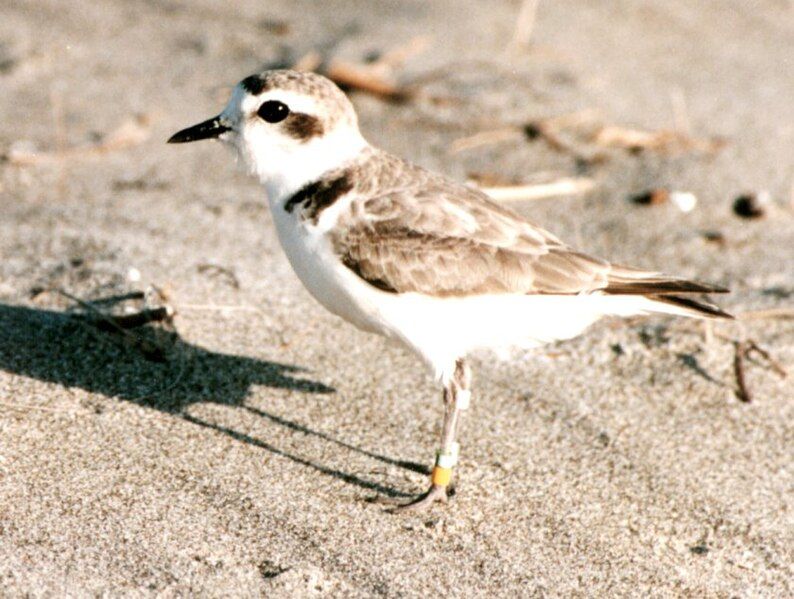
<point x="247" y="464"/>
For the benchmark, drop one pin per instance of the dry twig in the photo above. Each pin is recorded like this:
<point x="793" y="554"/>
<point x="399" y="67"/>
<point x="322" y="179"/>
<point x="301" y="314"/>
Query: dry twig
<point x="216" y="269"/>
<point x="360" y="77"/>
<point x="769" y="314"/>
<point x="111" y="323"/>
<point x="585" y="140"/>
<point x="776" y="366"/>
<point x="138" y="319"/>
<point x="372" y="78"/>
<point x="399" y="55"/>
<point x="310" y="61"/>
<point x="549" y="129"/>
<point x="366" y="79"/>
<point x="665" y="140"/>
<point x="740" y="353"/>
<point x="130" y="133"/>
<point x="117" y="299"/>
<point x="219" y="308"/>
<point x="485" y="138"/>
<point x="561" y="187"/>
<point x="525" y="23"/>
<point x="742" y="350"/>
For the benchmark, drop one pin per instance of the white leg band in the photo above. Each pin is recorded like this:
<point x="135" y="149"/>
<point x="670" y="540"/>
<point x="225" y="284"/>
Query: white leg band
<point x="450" y="459"/>
<point x="463" y="399"/>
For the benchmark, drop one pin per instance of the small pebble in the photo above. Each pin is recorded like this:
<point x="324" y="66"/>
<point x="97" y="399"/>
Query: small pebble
<point x="716" y="237"/>
<point x="751" y="205"/>
<point x="685" y="200"/>
<point x="713" y="235"/>
<point x="651" y="197"/>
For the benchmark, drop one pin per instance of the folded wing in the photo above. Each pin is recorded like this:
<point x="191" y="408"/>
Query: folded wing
<point x="439" y="239"/>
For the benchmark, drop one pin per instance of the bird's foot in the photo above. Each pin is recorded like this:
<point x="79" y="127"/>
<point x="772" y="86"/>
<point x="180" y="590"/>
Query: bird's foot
<point x="436" y="493"/>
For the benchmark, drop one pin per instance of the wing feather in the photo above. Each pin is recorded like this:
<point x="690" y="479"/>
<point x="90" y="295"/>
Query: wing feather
<point x="417" y="232"/>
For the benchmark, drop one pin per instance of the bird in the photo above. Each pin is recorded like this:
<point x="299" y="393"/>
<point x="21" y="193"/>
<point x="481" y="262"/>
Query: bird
<point x="414" y="256"/>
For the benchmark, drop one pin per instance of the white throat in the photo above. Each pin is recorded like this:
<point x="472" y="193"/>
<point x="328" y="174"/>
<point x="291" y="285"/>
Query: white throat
<point x="284" y="170"/>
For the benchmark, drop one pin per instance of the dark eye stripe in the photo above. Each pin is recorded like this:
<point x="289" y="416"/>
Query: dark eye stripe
<point x="273" y="111"/>
<point x="303" y="126"/>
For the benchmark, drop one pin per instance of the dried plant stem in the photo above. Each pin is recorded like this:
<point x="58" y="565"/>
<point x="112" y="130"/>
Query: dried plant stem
<point x="661" y="140"/>
<point x="398" y="55"/>
<point x="776" y="366"/>
<point x="767" y="314"/>
<point x="148" y="349"/>
<point x="561" y="187"/>
<point x="131" y="133"/>
<point x="365" y="78"/>
<point x="742" y="391"/>
<point x="525" y="23"/>
<point x="139" y="319"/>
<point x="485" y="138"/>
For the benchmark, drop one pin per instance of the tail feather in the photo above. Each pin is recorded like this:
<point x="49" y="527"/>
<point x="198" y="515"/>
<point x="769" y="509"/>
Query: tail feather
<point x="656" y="284"/>
<point x="666" y="294"/>
<point x="687" y="306"/>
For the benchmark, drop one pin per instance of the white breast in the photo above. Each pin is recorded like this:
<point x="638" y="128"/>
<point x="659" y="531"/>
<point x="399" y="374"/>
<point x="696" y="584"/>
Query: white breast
<point x="322" y="273"/>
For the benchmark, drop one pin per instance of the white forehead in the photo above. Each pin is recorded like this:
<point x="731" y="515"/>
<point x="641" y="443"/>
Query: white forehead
<point x="296" y="101"/>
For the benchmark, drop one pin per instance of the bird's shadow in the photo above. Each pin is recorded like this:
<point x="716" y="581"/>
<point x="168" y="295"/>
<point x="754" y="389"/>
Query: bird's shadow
<point x="68" y="350"/>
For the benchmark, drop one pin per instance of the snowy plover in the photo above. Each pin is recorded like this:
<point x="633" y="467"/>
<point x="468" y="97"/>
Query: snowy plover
<point x="408" y="254"/>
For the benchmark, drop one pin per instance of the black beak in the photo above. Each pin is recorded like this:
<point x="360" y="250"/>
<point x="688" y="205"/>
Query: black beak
<point x="210" y="129"/>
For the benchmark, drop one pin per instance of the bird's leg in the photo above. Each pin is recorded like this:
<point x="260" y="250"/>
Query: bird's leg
<point x="457" y="395"/>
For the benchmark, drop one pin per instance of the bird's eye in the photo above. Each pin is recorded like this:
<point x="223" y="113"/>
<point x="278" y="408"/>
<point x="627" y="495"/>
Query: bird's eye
<point x="273" y="111"/>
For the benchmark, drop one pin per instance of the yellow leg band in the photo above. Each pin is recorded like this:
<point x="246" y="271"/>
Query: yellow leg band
<point x="441" y="476"/>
